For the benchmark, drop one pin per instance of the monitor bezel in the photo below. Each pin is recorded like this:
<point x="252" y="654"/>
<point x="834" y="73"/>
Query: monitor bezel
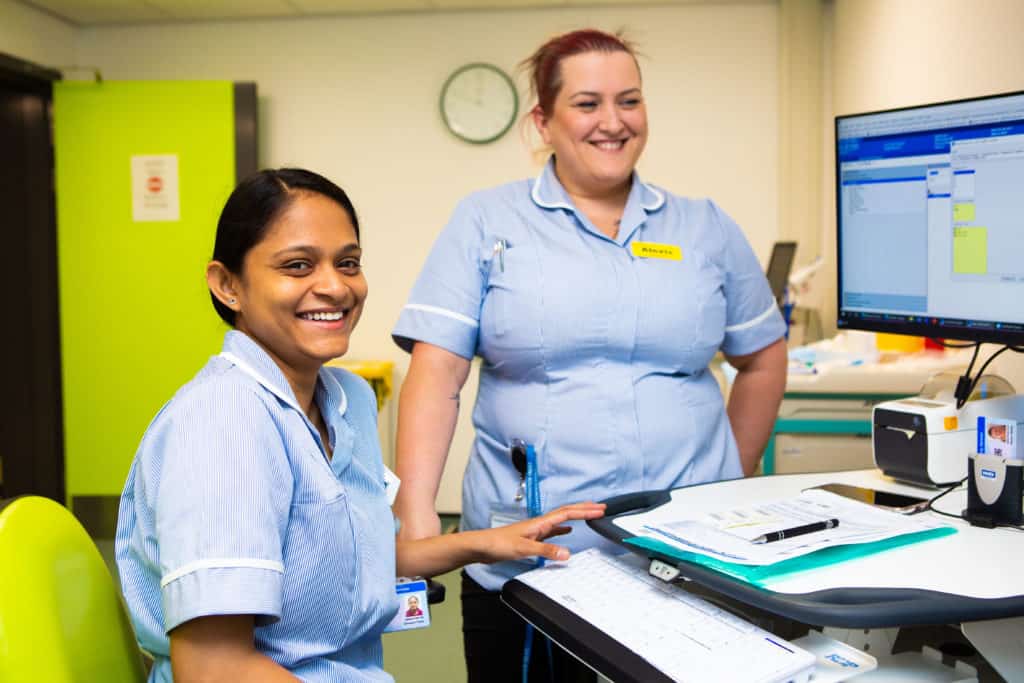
<point x="921" y="329"/>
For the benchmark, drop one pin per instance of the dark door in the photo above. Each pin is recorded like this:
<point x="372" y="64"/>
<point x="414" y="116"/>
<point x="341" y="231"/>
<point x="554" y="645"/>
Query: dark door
<point x="31" y="444"/>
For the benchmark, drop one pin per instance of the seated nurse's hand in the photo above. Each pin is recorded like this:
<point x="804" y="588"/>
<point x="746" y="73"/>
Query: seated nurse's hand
<point x="524" y="539"/>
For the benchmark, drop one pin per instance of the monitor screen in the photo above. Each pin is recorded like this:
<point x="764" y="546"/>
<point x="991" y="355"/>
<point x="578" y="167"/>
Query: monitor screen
<point x="930" y="215"/>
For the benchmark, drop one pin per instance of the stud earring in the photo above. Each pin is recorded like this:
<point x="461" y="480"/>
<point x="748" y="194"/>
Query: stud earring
<point x="231" y="301"/>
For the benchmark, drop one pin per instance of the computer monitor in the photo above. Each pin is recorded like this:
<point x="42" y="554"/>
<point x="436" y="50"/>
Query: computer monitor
<point x="779" y="266"/>
<point x="930" y="209"/>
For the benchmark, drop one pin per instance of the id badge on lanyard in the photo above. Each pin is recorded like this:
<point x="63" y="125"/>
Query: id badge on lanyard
<point x="413" y="611"/>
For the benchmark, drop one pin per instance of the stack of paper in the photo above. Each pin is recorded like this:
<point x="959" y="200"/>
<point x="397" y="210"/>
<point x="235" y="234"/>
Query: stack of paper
<point x="680" y="634"/>
<point x="723" y="540"/>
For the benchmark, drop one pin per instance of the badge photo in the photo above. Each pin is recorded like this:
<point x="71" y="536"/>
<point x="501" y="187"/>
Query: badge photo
<point x="413" y="611"/>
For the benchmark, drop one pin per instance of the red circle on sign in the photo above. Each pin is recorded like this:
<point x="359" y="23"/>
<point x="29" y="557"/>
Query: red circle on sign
<point x="154" y="184"/>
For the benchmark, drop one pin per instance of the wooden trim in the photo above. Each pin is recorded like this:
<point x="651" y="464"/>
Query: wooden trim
<point x="32" y="421"/>
<point x="246" y="131"/>
<point x="26" y="75"/>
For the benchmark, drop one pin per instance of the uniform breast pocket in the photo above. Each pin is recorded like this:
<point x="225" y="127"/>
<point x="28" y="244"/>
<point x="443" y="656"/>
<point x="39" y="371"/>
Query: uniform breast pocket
<point x="315" y="483"/>
<point x="321" y="533"/>
<point x="683" y="309"/>
<point x="508" y="313"/>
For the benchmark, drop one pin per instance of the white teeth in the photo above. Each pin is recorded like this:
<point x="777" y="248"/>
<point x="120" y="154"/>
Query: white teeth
<point x="323" y="316"/>
<point x="610" y="145"/>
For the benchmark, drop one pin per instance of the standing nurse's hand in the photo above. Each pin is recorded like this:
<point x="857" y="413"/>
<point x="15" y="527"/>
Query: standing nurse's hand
<point x="523" y="539"/>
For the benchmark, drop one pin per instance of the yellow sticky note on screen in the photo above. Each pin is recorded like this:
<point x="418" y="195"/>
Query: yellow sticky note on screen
<point x="970" y="250"/>
<point x="670" y="252"/>
<point x="963" y="212"/>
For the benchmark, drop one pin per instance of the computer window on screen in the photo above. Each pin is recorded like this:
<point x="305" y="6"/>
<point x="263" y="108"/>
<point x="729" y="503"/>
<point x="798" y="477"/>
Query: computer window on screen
<point x="930" y="204"/>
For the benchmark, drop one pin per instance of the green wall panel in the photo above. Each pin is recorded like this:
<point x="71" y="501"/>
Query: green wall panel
<point x="136" y="320"/>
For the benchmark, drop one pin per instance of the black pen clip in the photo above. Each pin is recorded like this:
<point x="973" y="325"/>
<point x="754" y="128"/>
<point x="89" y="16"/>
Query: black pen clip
<point x="518" y="451"/>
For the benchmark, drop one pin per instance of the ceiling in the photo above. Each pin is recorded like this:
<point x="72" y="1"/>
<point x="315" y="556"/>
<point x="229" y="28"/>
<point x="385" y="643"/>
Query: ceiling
<point x="106" y="12"/>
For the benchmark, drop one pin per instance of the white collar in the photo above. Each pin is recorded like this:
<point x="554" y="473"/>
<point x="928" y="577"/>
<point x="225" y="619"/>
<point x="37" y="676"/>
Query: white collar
<point x="547" y="192"/>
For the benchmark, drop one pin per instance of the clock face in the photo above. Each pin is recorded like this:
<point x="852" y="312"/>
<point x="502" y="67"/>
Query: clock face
<point x="479" y="103"/>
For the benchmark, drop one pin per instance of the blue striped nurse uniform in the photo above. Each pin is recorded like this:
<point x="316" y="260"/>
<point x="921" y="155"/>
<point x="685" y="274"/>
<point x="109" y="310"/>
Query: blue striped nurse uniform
<point x="232" y="507"/>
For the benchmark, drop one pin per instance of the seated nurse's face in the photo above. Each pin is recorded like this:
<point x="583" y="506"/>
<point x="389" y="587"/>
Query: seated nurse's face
<point x="301" y="289"/>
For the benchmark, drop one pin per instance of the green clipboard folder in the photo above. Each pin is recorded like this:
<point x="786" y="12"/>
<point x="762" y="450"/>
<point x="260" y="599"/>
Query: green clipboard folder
<point x="763" y="575"/>
<point x="840" y="606"/>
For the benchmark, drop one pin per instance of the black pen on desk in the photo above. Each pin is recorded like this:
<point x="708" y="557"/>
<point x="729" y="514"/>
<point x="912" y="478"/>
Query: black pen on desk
<point x="797" y="531"/>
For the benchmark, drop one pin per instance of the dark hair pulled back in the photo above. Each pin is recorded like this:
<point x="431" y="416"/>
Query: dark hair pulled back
<point x="252" y="208"/>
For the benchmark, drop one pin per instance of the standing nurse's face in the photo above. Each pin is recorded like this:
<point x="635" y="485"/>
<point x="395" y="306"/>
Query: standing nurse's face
<point x="302" y="288"/>
<point x="598" y="123"/>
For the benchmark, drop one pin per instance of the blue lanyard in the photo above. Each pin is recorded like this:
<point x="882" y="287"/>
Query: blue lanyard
<point x="534" y="508"/>
<point x="533" y="505"/>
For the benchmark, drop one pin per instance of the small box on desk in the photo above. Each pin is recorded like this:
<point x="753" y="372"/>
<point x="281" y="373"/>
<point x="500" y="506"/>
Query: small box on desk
<point x="995" y="485"/>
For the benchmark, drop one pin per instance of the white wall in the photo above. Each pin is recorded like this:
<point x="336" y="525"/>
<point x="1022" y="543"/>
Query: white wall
<point x="894" y="53"/>
<point x="356" y="98"/>
<point x="35" y="37"/>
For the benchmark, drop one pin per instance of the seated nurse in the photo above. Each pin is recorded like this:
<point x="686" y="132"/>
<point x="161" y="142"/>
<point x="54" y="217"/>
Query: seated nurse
<point x="596" y="301"/>
<point x="255" y="541"/>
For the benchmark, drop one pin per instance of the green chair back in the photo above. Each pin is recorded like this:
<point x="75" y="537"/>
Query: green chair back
<point x="61" y="617"/>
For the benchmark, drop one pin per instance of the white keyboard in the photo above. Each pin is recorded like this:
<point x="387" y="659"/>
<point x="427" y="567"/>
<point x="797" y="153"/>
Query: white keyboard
<point x="682" y="635"/>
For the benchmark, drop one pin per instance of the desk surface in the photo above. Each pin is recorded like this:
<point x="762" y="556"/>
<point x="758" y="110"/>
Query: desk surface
<point x="901" y="374"/>
<point x="971" y="575"/>
<point x="978" y="565"/>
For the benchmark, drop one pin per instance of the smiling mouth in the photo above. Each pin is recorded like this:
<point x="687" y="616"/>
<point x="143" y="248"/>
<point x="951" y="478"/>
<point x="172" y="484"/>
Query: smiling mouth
<point x="609" y="145"/>
<point x="323" y="316"/>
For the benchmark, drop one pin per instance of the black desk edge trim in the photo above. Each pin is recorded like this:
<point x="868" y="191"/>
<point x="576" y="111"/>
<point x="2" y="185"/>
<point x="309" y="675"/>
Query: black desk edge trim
<point x="851" y="607"/>
<point x="592" y="646"/>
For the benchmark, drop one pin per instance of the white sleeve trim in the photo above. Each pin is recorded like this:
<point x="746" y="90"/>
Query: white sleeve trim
<point x="465" y="320"/>
<point x="222" y="563"/>
<point x="751" y="323"/>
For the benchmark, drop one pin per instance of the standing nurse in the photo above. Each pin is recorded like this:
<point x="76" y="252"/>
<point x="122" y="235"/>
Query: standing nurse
<point x="596" y="302"/>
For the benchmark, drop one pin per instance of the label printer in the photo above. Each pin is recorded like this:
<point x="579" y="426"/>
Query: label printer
<point x="925" y="440"/>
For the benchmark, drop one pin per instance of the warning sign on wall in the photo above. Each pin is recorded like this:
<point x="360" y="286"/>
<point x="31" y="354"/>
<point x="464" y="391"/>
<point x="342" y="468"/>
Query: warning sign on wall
<point x="155" y="188"/>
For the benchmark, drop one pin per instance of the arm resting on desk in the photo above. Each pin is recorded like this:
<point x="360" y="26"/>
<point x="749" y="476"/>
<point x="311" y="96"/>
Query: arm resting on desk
<point x="755" y="398"/>
<point x="440" y="554"/>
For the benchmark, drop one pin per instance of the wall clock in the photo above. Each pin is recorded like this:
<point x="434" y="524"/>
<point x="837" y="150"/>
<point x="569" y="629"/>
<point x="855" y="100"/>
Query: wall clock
<point x="479" y="103"/>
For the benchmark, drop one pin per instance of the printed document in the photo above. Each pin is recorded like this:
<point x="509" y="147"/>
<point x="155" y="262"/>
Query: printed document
<point x="728" y="535"/>
<point x="683" y="636"/>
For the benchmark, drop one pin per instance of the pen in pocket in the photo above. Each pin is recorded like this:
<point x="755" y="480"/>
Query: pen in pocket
<point x="500" y="246"/>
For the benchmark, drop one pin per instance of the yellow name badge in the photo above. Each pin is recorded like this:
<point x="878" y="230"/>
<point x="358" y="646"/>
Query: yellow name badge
<point x="654" y="250"/>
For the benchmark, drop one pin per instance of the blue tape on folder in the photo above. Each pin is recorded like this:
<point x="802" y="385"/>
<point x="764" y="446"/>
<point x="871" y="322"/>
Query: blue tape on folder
<point x="761" y="575"/>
